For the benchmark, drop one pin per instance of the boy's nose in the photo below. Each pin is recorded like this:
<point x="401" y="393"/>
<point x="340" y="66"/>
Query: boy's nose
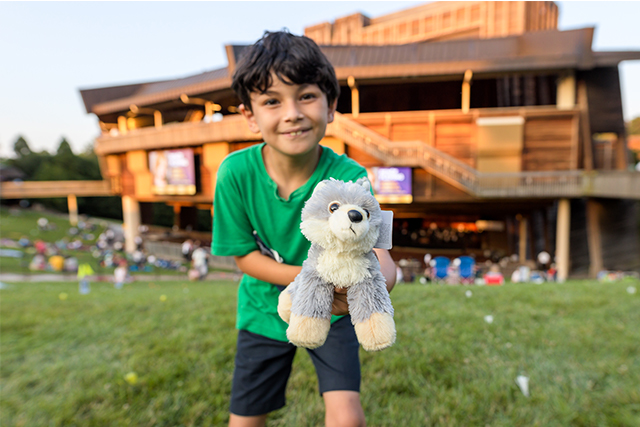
<point x="293" y="113"/>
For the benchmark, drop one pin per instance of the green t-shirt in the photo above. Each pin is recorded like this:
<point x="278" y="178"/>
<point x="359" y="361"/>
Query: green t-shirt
<point x="247" y="199"/>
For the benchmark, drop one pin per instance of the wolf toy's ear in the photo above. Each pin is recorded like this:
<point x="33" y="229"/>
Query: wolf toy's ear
<point x="364" y="182"/>
<point x="319" y="186"/>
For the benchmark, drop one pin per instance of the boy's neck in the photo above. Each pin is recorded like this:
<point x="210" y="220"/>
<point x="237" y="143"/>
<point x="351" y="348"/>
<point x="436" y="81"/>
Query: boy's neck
<point x="290" y="173"/>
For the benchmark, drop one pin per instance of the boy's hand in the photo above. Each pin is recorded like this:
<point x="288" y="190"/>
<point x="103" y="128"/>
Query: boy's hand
<point x="340" y="306"/>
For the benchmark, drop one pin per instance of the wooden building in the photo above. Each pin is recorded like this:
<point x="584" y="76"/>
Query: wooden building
<point x="489" y="131"/>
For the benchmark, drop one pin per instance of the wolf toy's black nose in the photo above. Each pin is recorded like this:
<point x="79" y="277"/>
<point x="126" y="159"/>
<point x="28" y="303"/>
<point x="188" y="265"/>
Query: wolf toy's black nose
<point x="355" y="216"/>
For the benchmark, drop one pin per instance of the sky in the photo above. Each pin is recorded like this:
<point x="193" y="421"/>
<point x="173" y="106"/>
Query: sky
<point x="51" y="50"/>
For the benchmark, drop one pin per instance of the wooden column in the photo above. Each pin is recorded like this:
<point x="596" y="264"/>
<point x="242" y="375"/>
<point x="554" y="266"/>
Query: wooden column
<point x="522" y="243"/>
<point x="212" y="156"/>
<point x="563" y="230"/>
<point x="131" y="224"/>
<point x="157" y="119"/>
<point x="622" y="160"/>
<point x="466" y="91"/>
<point x="594" y="237"/>
<point x="72" y="202"/>
<point x="585" y="127"/>
<point x="566" y="93"/>
<point x="355" y="96"/>
<point x="122" y="125"/>
<point x="176" y="215"/>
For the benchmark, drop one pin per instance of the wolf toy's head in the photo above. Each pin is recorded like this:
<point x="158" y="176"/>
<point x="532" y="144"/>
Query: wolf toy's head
<point x="342" y="216"/>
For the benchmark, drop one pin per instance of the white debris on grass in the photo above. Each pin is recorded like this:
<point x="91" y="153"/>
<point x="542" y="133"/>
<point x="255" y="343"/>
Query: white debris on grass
<point x="631" y="290"/>
<point x="523" y="384"/>
<point x="468" y="294"/>
<point x="488" y="318"/>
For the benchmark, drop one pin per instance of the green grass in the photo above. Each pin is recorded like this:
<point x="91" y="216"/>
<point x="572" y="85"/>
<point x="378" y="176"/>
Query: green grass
<point x="18" y="223"/>
<point x="64" y="361"/>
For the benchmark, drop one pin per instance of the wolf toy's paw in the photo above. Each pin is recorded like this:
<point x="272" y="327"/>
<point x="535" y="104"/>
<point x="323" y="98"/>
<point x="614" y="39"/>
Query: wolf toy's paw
<point x="308" y="332"/>
<point x="377" y="332"/>
<point x="284" y="305"/>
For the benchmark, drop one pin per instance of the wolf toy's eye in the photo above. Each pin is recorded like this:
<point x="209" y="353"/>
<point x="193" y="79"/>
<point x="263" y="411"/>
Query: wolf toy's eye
<point x="334" y="207"/>
<point x="367" y="212"/>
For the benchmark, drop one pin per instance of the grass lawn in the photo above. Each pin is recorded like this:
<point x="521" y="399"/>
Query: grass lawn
<point x="64" y="362"/>
<point x="18" y="223"/>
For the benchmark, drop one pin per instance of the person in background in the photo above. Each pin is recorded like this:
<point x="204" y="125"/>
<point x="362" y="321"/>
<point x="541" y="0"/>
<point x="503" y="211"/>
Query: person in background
<point x="120" y="274"/>
<point x="187" y="248"/>
<point x="199" y="260"/>
<point x="84" y="273"/>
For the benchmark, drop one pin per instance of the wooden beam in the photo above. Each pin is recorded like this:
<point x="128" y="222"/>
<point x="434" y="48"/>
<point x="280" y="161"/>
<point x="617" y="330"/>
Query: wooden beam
<point x="355" y="96"/>
<point x="594" y="237"/>
<point x="621" y="152"/>
<point x="563" y="234"/>
<point x="566" y="93"/>
<point x="47" y="189"/>
<point x="522" y="243"/>
<point x="72" y="202"/>
<point x="131" y="222"/>
<point x="122" y="125"/>
<point x="585" y="127"/>
<point x="466" y="91"/>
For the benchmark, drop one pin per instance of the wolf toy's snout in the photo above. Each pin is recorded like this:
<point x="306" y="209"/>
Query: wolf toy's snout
<point x="355" y="216"/>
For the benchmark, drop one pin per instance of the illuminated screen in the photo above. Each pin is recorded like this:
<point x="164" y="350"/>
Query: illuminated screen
<point x="392" y="185"/>
<point x="173" y="172"/>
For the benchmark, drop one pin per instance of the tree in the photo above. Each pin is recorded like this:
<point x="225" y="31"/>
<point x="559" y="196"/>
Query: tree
<point x="26" y="160"/>
<point x="64" y="149"/>
<point x="21" y="147"/>
<point x="65" y="166"/>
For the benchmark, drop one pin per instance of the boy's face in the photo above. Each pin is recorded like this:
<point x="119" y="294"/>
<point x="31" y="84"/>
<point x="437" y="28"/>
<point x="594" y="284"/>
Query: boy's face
<point x="292" y="118"/>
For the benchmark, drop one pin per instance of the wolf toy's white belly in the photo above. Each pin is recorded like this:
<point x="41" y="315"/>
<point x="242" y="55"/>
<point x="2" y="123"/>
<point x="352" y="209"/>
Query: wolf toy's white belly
<point x="343" y="270"/>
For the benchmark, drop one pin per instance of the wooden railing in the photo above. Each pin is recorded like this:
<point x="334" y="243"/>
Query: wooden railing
<point x="37" y="189"/>
<point x="407" y="153"/>
<point x="175" y="135"/>
<point x="575" y="183"/>
<point x="423" y="152"/>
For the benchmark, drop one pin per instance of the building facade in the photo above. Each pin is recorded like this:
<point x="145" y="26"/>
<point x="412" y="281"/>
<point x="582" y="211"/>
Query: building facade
<point x="485" y="129"/>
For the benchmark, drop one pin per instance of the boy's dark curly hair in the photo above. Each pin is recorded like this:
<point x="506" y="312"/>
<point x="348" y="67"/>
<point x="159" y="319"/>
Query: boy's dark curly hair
<point x="294" y="59"/>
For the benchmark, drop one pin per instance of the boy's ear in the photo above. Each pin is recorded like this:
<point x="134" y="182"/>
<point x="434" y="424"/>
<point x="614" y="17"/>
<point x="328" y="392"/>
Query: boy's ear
<point x="250" y="118"/>
<point x="332" y="111"/>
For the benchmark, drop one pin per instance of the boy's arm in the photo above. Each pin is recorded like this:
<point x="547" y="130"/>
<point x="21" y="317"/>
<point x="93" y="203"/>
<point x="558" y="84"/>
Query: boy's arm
<point x="387" y="267"/>
<point x="264" y="268"/>
<point x="340" y="306"/>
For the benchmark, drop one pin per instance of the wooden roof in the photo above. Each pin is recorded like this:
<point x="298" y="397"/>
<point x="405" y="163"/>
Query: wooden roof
<point x="541" y="50"/>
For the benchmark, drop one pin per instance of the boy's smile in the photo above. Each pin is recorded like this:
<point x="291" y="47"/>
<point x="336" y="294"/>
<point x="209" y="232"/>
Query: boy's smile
<point x="292" y="118"/>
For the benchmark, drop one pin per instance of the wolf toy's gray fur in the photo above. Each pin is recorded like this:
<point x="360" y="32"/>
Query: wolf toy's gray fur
<point x="342" y="251"/>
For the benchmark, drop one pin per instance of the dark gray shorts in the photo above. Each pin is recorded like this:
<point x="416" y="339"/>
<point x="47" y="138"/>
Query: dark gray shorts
<point x="263" y="366"/>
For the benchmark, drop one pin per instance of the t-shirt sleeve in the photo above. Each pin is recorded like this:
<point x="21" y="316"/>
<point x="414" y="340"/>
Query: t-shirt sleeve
<point x="347" y="169"/>
<point x="232" y="230"/>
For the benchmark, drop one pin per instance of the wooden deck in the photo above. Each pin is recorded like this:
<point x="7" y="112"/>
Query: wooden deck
<point x="40" y="189"/>
<point x="442" y="142"/>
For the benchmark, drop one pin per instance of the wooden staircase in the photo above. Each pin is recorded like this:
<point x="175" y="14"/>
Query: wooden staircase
<point x="574" y="183"/>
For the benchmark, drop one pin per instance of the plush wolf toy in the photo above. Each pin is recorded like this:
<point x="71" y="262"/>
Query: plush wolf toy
<point x="342" y="220"/>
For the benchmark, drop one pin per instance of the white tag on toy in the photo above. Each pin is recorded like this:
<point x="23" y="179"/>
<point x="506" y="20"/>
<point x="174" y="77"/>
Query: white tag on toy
<point x="386" y="231"/>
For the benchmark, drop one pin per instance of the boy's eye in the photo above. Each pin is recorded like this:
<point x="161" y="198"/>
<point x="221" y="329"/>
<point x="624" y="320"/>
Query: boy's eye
<point x="308" y="96"/>
<point x="334" y="207"/>
<point x="270" y="102"/>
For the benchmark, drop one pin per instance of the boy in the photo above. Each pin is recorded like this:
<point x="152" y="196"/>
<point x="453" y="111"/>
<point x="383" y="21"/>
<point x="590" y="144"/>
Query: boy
<point x="289" y="92"/>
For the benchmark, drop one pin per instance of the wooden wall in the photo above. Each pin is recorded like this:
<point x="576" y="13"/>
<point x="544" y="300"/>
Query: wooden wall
<point x="439" y="21"/>
<point x="550" y="140"/>
<point x="550" y="143"/>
